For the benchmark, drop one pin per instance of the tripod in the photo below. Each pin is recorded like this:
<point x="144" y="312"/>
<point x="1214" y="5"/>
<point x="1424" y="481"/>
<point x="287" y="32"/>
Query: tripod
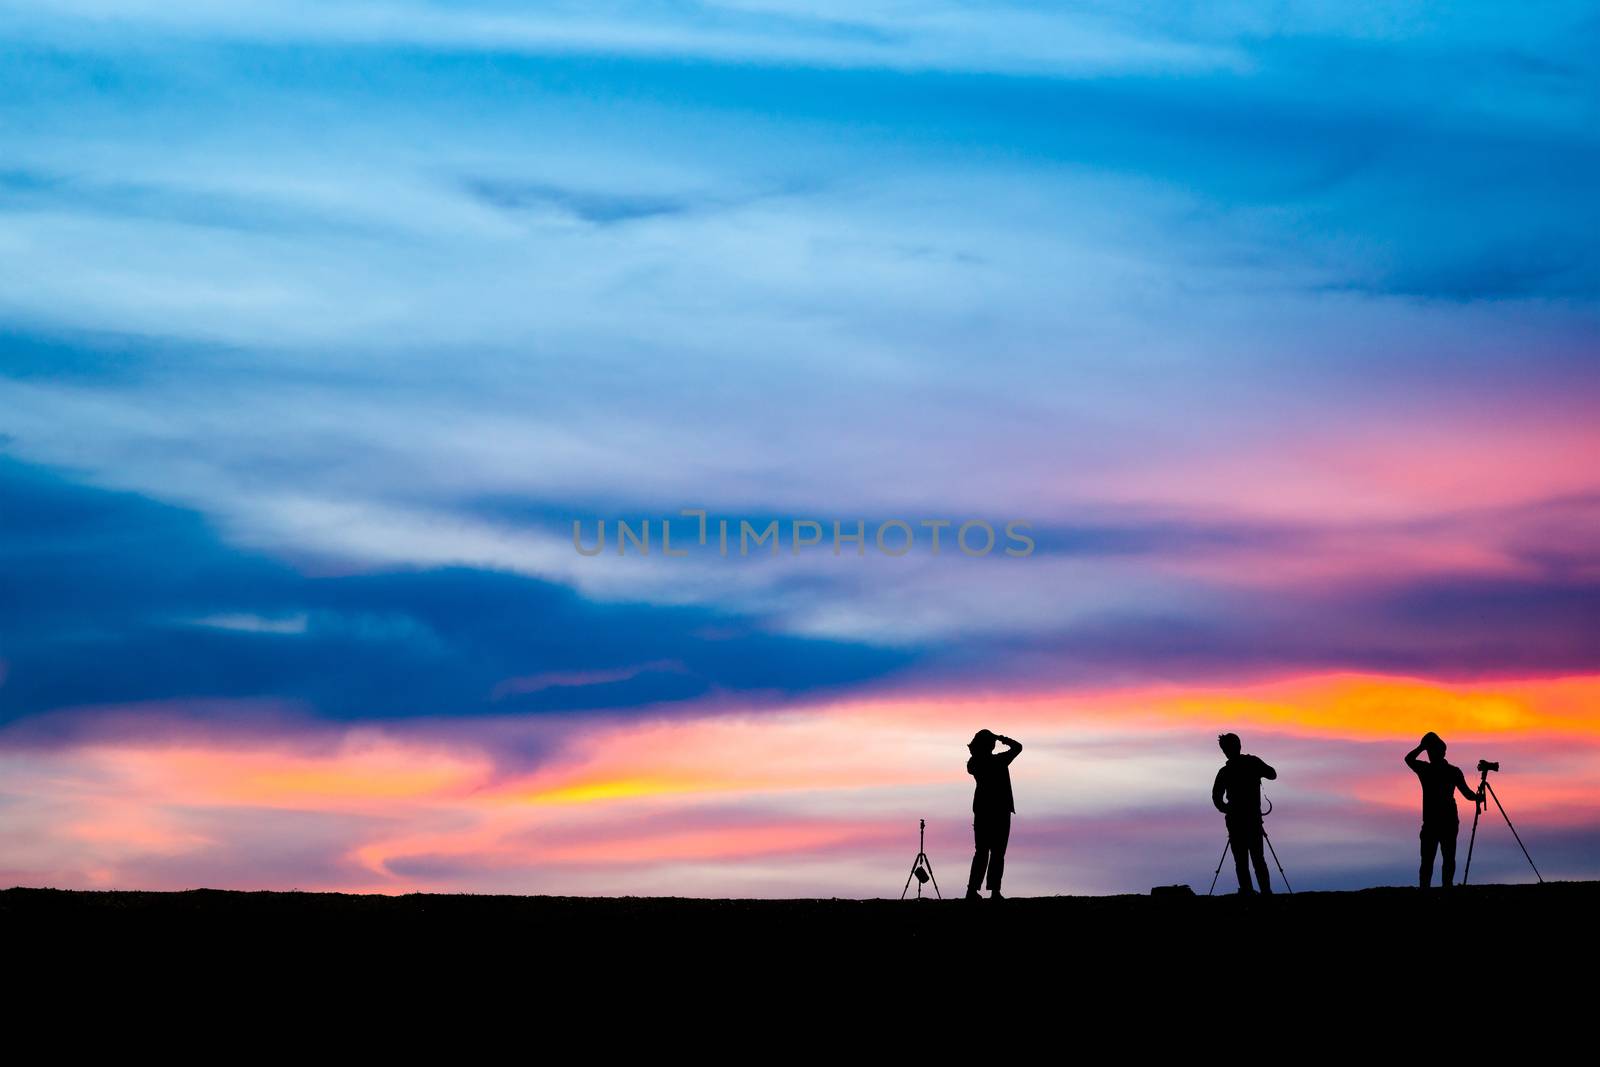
<point x="921" y="869"/>
<point x="1483" y="786"/>
<point x="1229" y="844"/>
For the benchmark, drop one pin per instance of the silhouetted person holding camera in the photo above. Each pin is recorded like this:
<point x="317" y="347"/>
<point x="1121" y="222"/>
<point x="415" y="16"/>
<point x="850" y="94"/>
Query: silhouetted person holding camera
<point x="992" y="808"/>
<point x="1237" y="794"/>
<point x="1440" y="823"/>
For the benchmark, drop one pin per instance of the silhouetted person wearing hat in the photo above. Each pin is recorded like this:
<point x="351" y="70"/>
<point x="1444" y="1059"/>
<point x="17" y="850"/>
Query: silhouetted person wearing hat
<point x="992" y="808"/>
<point x="1237" y="794"/>
<point x="1440" y="823"/>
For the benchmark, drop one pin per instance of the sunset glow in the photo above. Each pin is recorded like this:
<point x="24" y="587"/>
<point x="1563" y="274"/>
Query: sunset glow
<point x="638" y="807"/>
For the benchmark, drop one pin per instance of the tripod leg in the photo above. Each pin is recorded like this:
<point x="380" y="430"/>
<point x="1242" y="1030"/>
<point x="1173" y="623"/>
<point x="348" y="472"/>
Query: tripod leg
<point x="1275" y="859"/>
<point x="1514" y="833"/>
<point x="910" y="876"/>
<point x="1473" y="840"/>
<point x="1218" y="871"/>
<point x="922" y="850"/>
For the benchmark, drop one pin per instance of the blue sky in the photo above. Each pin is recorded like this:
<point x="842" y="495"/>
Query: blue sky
<point x="319" y="323"/>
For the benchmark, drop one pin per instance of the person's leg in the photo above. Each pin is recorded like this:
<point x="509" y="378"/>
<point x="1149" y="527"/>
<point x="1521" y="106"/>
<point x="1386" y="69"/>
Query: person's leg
<point x="1239" y="845"/>
<point x="1430" y="845"/>
<point x="999" y="837"/>
<point x="1259" y="856"/>
<point x="1447" y="854"/>
<point x="980" y="855"/>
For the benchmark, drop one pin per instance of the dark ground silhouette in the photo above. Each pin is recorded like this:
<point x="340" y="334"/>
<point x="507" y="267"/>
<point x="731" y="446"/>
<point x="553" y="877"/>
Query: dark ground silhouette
<point x="794" y="978"/>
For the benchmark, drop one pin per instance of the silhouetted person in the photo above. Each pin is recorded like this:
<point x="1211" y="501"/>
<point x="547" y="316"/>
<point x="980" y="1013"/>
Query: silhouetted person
<point x="1237" y="794"/>
<point x="992" y="808"/>
<point x="1440" y="823"/>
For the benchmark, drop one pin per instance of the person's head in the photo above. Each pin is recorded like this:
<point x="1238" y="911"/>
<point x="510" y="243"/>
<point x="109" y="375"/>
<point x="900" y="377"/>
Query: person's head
<point x="1434" y="746"/>
<point x="1230" y="744"/>
<point x="982" y="743"/>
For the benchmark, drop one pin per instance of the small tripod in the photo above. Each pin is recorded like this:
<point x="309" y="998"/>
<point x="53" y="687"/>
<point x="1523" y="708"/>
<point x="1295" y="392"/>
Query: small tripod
<point x="921" y="869"/>
<point x="1484" y="767"/>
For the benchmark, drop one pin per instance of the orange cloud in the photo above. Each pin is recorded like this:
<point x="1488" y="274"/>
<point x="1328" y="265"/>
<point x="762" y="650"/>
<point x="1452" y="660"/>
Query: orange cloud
<point x="364" y="773"/>
<point x="1329" y="705"/>
<point x="1357" y="705"/>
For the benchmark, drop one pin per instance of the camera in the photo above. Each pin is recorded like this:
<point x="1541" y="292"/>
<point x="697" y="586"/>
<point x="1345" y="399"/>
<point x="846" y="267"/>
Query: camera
<point x="1484" y="766"/>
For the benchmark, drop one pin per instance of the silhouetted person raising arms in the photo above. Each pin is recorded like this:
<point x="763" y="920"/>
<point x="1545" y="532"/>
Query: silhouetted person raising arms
<point x="1237" y="794"/>
<point x="1440" y="823"/>
<point x="992" y="808"/>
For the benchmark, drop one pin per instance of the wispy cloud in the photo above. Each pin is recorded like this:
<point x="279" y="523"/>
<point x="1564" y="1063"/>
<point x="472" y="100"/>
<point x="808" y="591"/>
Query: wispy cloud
<point x="947" y="36"/>
<point x="256" y="624"/>
<point x="586" y="206"/>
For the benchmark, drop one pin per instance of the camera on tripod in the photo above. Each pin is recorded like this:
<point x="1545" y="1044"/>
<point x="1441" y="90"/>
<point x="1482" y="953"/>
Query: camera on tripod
<point x="1485" y="794"/>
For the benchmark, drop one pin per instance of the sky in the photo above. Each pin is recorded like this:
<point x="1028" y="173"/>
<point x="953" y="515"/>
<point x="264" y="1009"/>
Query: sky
<point x="322" y="324"/>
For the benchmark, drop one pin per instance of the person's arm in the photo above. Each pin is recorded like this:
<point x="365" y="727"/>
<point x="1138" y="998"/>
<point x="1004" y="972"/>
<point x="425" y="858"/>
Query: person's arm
<point x="1266" y="772"/>
<point x="1411" y="757"/>
<point x="1474" y="795"/>
<point x="1013" y="748"/>
<point x="1217" y="790"/>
